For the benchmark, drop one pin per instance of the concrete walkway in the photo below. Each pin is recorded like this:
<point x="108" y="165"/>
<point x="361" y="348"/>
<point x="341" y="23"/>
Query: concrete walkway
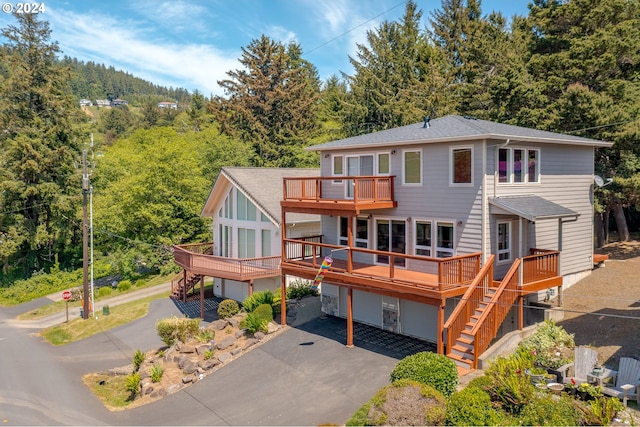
<point x="61" y="317"/>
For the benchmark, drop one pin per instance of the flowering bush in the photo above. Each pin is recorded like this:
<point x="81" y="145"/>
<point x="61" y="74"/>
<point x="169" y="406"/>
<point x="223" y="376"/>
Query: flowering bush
<point x="547" y="343"/>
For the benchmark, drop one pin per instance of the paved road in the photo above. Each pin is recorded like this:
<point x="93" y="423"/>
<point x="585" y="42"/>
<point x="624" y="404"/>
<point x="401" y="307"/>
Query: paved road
<point x="303" y="376"/>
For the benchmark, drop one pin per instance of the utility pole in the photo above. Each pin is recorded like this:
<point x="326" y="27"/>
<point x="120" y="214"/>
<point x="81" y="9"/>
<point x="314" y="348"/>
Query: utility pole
<point x="85" y="238"/>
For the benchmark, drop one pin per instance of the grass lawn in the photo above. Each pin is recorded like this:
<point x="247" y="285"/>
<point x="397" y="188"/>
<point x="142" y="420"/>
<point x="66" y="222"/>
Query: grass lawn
<point x="78" y="329"/>
<point x="58" y="306"/>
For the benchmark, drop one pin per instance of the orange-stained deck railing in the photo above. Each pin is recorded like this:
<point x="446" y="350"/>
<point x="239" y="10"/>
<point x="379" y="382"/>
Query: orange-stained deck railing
<point x="487" y="326"/>
<point x="469" y="303"/>
<point x="365" y="188"/>
<point x="453" y="271"/>
<point x="541" y="264"/>
<point x="197" y="258"/>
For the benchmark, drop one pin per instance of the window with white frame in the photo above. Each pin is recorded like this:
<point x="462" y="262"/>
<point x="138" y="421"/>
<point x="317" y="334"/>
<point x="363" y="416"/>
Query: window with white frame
<point x="518" y="165"/>
<point x="461" y="165"/>
<point x="412" y="167"/>
<point x="266" y="242"/>
<point x="337" y="167"/>
<point x="442" y="246"/>
<point x="444" y="239"/>
<point x="246" y="210"/>
<point x="384" y="164"/>
<point x="361" y="234"/>
<point x="504" y="241"/>
<point x="423" y="238"/>
<point x="246" y="243"/>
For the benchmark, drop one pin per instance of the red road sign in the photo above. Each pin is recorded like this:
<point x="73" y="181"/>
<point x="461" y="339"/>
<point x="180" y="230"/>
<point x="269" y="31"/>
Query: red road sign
<point x="66" y="295"/>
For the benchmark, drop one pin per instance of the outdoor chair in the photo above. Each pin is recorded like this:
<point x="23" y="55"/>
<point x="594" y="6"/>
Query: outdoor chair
<point x="584" y="360"/>
<point x="627" y="381"/>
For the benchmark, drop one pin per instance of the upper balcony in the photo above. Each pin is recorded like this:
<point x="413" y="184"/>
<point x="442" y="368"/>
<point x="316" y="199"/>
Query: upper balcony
<point x="341" y="196"/>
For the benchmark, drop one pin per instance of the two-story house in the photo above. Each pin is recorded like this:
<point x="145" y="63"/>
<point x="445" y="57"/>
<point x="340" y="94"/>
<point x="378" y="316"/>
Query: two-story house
<point x="244" y="254"/>
<point x="441" y="229"/>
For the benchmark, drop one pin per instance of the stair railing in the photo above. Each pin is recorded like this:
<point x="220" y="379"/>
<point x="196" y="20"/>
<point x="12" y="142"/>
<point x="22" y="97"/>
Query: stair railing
<point x="486" y="328"/>
<point x="471" y="299"/>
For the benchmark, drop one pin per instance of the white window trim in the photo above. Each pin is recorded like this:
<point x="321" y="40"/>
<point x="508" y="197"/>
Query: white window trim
<point x="507" y="251"/>
<point x="415" y="237"/>
<point x="333" y="172"/>
<point x="452" y="169"/>
<point x="434" y="238"/>
<point x="377" y="163"/>
<point x="407" y="240"/>
<point x="412" y="184"/>
<point x="356" y="240"/>
<point x="510" y="172"/>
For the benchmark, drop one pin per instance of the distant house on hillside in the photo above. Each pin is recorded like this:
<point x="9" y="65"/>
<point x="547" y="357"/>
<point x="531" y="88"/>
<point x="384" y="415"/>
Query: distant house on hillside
<point x="168" y="105"/>
<point x="118" y="102"/>
<point x="103" y="103"/>
<point x="86" y="103"/>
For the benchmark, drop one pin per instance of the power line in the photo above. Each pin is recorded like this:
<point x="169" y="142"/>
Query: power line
<point x="355" y="28"/>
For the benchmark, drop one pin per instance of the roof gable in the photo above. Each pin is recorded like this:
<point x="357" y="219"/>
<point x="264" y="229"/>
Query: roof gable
<point x="455" y="129"/>
<point x="263" y="186"/>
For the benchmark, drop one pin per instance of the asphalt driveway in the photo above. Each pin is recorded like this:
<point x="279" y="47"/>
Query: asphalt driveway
<point x="303" y="376"/>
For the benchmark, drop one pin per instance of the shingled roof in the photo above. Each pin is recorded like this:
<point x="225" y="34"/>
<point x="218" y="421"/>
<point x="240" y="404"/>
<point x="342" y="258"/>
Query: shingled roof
<point x="263" y="186"/>
<point x="455" y="129"/>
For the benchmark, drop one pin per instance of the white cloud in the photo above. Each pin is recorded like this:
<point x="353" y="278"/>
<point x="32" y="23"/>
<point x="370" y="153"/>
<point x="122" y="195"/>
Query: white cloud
<point x="123" y="45"/>
<point x="280" y="34"/>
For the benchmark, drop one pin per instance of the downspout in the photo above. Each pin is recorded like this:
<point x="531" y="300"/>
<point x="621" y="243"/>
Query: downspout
<point x="483" y="236"/>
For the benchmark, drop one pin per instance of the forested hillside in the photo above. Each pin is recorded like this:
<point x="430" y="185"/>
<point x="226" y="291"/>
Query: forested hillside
<point x="96" y="81"/>
<point x="571" y="66"/>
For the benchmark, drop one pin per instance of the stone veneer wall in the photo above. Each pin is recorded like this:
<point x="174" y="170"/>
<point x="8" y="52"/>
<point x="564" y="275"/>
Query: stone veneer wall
<point x="303" y="310"/>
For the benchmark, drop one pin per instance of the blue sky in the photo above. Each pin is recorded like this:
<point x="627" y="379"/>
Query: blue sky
<point x="192" y="44"/>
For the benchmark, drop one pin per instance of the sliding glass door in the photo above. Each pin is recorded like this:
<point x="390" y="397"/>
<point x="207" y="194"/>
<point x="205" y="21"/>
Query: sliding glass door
<point x="391" y="236"/>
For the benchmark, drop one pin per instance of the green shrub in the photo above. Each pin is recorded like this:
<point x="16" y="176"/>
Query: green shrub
<point x="139" y="283"/>
<point x="264" y="312"/>
<point x="547" y="411"/>
<point x="133" y="384"/>
<point x="258" y="298"/>
<point x="174" y="328"/>
<point x="432" y="369"/>
<point x="300" y="288"/>
<point x="389" y="406"/>
<point x="138" y="358"/>
<point x="208" y="354"/>
<point x="546" y="345"/>
<point x="600" y="411"/>
<point x="205" y="335"/>
<point x="228" y="308"/>
<point x="252" y="323"/>
<point x="104" y="291"/>
<point x="156" y="373"/>
<point x="509" y="387"/>
<point x="481" y="382"/>
<point x="471" y="406"/>
<point x="124" y="285"/>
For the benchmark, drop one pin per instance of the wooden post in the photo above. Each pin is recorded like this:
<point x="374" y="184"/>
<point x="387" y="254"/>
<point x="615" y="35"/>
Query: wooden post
<point x="440" y="344"/>
<point x="202" y="297"/>
<point x="350" y="244"/>
<point x="283" y="300"/>
<point x="520" y="312"/>
<point x="184" y="285"/>
<point x="349" y="317"/>
<point x="250" y="287"/>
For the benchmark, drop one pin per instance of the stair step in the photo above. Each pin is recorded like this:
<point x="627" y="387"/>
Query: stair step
<point x="462" y="363"/>
<point x="465" y="341"/>
<point x="464" y="346"/>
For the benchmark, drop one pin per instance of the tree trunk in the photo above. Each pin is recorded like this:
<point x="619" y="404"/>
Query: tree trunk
<point x="621" y="223"/>
<point x="605" y="219"/>
<point x="599" y="229"/>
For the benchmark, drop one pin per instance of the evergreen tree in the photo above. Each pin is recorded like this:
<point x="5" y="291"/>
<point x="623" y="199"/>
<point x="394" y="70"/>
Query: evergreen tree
<point x="271" y="102"/>
<point x="39" y="186"/>
<point x="398" y="78"/>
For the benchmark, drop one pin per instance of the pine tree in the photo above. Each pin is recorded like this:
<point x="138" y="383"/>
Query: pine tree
<point x="271" y="102"/>
<point x="397" y="80"/>
<point x="39" y="186"/>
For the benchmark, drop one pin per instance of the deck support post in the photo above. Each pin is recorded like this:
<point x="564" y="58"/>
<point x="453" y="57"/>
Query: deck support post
<point x="283" y="300"/>
<point x="184" y="285"/>
<point x="521" y="312"/>
<point x="250" y="287"/>
<point x="440" y="343"/>
<point x="350" y="244"/>
<point x="349" y="317"/>
<point x="202" y="297"/>
<point x="560" y="296"/>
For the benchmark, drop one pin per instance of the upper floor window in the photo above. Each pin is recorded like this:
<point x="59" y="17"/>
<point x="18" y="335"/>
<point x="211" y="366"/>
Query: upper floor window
<point x="246" y="209"/>
<point x="518" y="165"/>
<point x="412" y="167"/>
<point x="337" y="167"/>
<point x="423" y="238"/>
<point x="504" y="241"/>
<point x="461" y="165"/>
<point x="384" y="167"/>
<point x="361" y="234"/>
<point x="443" y="244"/>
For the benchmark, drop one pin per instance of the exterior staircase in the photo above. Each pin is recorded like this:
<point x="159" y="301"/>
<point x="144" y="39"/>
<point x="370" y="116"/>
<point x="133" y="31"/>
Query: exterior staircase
<point x="477" y="318"/>
<point x="182" y="283"/>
